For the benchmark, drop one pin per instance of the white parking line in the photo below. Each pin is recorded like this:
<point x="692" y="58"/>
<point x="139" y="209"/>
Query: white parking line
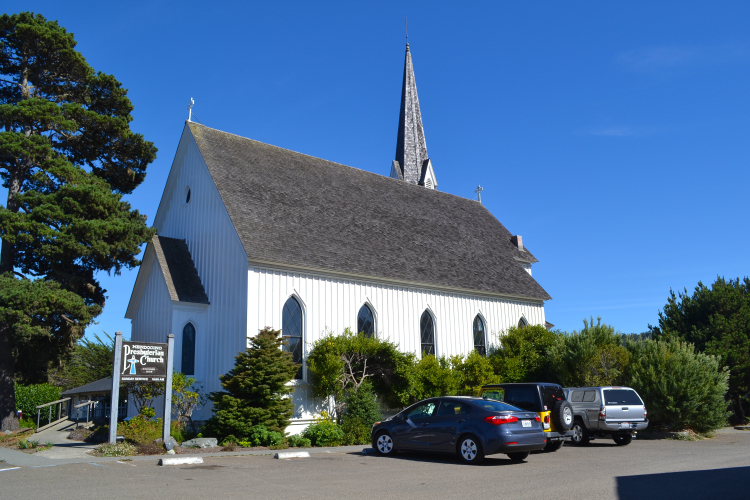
<point x="12" y="468"/>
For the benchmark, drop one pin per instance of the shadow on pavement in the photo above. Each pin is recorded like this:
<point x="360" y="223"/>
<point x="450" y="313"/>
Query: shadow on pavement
<point x="489" y="461"/>
<point x="715" y="483"/>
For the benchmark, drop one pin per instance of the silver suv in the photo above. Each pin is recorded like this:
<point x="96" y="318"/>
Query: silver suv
<point x="601" y="411"/>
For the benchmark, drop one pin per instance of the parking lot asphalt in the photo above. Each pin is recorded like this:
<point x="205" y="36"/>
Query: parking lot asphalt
<point x="712" y="468"/>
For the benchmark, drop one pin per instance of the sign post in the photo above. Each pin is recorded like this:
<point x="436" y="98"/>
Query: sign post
<point x="114" y="404"/>
<point x="168" y="390"/>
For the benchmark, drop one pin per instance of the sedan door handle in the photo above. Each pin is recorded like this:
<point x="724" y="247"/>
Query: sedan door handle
<point x="425" y="424"/>
<point x="461" y="421"/>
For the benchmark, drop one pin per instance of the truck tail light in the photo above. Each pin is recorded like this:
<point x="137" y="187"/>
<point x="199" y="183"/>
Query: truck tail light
<point x="546" y="419"/>
<point x="501" y="419"/>
<point x="645" y="414"/>
<point x="603" y="413"/>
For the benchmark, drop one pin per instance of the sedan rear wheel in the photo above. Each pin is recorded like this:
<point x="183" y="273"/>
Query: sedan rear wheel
<point x="519" y="456"/>
<point x="384" y="444"/>
<point x="470" y="450"/>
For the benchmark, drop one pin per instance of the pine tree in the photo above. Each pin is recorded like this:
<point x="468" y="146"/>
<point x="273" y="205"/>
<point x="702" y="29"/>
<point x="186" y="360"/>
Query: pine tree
<point x="255" y="390"/>
<point x="67" y="156"/>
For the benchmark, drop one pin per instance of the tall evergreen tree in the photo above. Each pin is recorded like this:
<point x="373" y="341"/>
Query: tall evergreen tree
<point x="255" y="390"/>
<point x="67" y="156"/>
<point x="717" y="320"/>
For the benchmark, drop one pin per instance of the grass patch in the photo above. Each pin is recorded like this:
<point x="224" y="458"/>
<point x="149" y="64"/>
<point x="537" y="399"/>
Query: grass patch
<point x="115" y="450"/>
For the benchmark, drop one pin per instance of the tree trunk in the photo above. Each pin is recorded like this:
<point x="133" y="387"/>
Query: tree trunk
<point x="740" y="411"/>
<point x="8" y="418"/>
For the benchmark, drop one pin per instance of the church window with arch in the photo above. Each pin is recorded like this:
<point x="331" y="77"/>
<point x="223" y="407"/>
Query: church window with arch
<point x="188" y="350"/>
<point x="292" y="330"/>
<point x="366" y="321"/>
<point x="427" y="333"/>
<point x="480" y="338"/>
<point x="522" y="323"/>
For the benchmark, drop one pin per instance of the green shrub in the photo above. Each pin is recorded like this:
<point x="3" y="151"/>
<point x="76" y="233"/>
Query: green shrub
<point x="141" y="430"/>
<point x="473" y="371"/>
<point x="261" y="436"/>
<point x="298" y="441"/>
<point x="682" y="389"/>
<point x="255" y="390"/>
<point x="27" y="444"/>
<point x="324" y="432"/>
<point x="115" y="450"/>
<point x="589" y="357"/>
<point x="361" y="412"/>
<point x="433" y="377"/>
<point x="28" y="397"/>
<point x="522" y="354"/>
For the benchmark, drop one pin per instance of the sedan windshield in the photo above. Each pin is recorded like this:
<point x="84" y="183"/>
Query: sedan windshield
<point x="491" y="405"/>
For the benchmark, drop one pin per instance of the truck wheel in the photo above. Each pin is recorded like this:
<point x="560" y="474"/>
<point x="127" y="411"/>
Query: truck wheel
<point x="622" y="439"/>
<point x="553" y="445"/>
<point x="562" y="415"/>
<point x="580" y="434"/>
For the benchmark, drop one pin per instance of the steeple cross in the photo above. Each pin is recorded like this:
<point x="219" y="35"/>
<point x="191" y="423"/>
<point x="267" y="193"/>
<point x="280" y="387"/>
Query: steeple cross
<point x="479" y="190"/>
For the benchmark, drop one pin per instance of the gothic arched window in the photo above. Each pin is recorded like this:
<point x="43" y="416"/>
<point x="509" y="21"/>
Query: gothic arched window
<point x="522" y="322"/>
<point x="366" y="321"/>
<point x="427" y="332"/>
<point x="291" y="331"/>
<point x="188" y="350"/>
<point x="480" y="342"/>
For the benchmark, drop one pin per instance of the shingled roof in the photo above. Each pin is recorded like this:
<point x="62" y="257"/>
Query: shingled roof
<point x="179" y="270"/>
<point x="298" y="210"/>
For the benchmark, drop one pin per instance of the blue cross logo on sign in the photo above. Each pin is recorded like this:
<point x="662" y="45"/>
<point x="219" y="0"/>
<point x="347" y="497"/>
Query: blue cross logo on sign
<point x="132" y="362"/>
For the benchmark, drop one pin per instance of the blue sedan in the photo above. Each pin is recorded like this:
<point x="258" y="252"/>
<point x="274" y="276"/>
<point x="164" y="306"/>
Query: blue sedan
<point x="467" y="426"/>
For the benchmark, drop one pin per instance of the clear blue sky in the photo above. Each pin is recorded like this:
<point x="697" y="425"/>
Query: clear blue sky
<point x="614" y="137"/>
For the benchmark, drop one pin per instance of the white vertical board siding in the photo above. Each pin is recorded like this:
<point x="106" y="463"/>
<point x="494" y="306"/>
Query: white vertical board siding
<point x="154" y="319"/>
<point x="331" y="304"/>
<point x="221" y="327"/>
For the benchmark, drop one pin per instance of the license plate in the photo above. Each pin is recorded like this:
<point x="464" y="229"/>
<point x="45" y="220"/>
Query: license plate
<point x="625" y="425"/>
<point x="526" y="423"/>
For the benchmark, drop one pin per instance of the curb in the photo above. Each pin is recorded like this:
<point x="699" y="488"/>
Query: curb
<point x="181" y="461"/>
<point x="291" y="454"/>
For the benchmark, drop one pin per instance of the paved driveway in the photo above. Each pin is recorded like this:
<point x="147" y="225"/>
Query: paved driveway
<point x="714" y="468"/>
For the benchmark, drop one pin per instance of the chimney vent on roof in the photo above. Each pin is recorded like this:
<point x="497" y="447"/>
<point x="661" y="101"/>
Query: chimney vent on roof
<point x="517" y="241"/>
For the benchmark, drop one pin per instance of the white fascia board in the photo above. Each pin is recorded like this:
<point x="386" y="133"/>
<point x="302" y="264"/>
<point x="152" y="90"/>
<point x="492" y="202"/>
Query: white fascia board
<point x="386" y="281"/>
<point x="144" y="271"/>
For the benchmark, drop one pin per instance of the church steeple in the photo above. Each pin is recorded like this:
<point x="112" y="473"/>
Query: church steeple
<point x="412" y="163"/>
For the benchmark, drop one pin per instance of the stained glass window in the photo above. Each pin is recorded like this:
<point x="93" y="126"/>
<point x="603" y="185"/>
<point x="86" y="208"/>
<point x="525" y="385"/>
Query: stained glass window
<point x="366" y="321"/>
<point x="480" y="344"/>
<point x="188" y="350"/>
<point x="291" y="331"/>
<point x="427" y="331"/>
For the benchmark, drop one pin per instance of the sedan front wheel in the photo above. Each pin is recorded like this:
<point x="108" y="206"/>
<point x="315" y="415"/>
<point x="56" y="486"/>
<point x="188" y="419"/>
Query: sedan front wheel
<point x="384" y="444"/>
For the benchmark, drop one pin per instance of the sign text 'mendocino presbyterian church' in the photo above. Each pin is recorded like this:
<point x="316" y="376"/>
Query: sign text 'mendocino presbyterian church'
<point x="251" y="235"/>
<point x="143" y="362"/>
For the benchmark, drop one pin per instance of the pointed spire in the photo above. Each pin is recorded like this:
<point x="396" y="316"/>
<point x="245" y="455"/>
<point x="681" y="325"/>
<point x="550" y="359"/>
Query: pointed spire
<point x="411" y="148"/>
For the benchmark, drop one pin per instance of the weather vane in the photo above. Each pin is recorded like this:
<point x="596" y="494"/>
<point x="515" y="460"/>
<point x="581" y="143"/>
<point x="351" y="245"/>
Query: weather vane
<point x="190" y="109"/>
<point x="479" y="190"/>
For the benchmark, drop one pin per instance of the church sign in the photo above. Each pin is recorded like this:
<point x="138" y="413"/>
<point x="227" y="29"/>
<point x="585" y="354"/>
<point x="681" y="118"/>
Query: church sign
<point x="143" y="362"/>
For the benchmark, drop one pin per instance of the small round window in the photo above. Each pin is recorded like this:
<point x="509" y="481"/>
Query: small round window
<point x="187" y="195"/>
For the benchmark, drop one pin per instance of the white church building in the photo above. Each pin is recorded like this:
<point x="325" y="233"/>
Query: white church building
<point x="251" y="235"/>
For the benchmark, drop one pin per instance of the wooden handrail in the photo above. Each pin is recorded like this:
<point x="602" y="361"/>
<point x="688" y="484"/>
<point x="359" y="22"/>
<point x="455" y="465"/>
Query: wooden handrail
<point x="52" y="403"/>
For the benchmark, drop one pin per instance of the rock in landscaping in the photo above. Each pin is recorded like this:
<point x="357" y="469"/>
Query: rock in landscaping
<point x="200" y="443"/>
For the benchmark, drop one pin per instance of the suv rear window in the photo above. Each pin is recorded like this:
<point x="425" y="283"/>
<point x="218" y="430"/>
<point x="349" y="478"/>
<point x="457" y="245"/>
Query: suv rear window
<point x="523" y="397"/>
<point x="550" y="395"/>
<point x="621" y="397"/>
